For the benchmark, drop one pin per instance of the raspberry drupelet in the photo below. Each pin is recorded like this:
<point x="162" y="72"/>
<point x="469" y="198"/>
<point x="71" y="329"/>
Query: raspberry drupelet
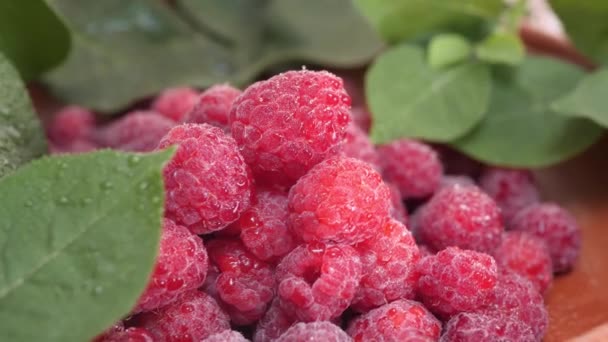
<point x="314" y="331"/>
<point x="476" y="327"/>
<point x="207" y="183"/>
<point x="289" y="123"/>
<point x="213" y="106"/>
<point x="274" y="323"/>
<point x="175" y="103"/>
<point x="226" y="336"/>
<point x="118" y="333"/>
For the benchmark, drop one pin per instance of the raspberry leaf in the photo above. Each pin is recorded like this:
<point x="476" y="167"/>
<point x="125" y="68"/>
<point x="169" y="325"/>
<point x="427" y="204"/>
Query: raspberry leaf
<point x="588" y="99"/>
<point x="448" y="49"/>
<point x="520" y="128"/>
<point x="410" y="99"/>
<point x="78" y="240"/>
<point x="32" y="36"/>
<point x="21" y="136"/>
<point x="501" y="48"/>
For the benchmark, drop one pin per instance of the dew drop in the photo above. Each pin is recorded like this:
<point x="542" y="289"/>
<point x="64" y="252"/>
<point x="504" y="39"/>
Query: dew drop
<point x="143" y="186"/>
<point x="98" y="290"/>
<point x="134" y="160"/>
<point x="106" y="185"/>
<point x="63" y="200"/>
<point x="29" y="204"/>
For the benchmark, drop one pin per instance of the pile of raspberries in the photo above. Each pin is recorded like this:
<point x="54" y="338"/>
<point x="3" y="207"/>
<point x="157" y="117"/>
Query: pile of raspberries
<point x="283" y="222"/>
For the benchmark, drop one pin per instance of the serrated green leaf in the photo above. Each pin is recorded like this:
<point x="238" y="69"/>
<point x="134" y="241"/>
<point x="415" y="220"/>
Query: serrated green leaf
<point x="397" y="20"/>
<point x="588" y="99"/>
<point x="501" y="47"/>
<point x="21" y="136"/>
<point x="447" y="49"/>
<point x="32" y="36"/>
<point x="520" y="129"/>
<point x="78" y="240"/>
<point x="409" y="99"/>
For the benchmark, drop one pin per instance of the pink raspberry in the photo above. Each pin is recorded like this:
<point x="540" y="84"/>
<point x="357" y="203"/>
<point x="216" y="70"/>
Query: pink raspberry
<point x="475" y="327"/>
<point x="512" y="190"/>
<point x="194" y="317"/>
<point x="289" y="123"/>
<point x="425" y="251"/>
<point x="341" y="200"/>
<point x="74" y="147"/>
<point x="274" y="323"/>
<point x="318" y="281"/>
<point x="398" y="210"/>
<point x="264" y="227"/>
<point x="314" y="331"/>
<point x="138" y="131"/>
<point x="527" y="256"/>
<point x="207" y="183"/>
<point x="175" y="103"/>
<point x="226" y="336"/>
<point x="389" y="267"/>
<point x="413" y="166"/>
<point x="213" y="106"/>
<point x="119" y="334"/>
<point x="70" y="124"/>
<point x="461" y="216"/>
<point x="245" y="283"/>
<point x="357" y="145"/>
<point x="181" y="266"/>
<point x="361" y="117"/>
<point x="557" y="227"/>
<point x="456" y="280"/>
<point x="450" y="180"/>
<point x="390" y="321"/>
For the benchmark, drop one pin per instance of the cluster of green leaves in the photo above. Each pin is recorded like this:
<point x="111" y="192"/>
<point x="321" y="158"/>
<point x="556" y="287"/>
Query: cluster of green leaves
<point x="459" y="75"/>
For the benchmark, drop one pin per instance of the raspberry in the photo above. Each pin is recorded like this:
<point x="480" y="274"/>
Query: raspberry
<point x="181" y="266"/>
<point x="390" y="321"/>
<point x="516" y="297"/>
<point x="361" y="117"/>
<point x="456" y="280"/>
<point x="557" y="227"/>
<point x="76" y="146"/>
<point x="450" y="180"/>
<point x="120" y="334"/>
<point x="342" y="200"/>
<point x="461" y="216"/>
<point x="274" y="323"/>
<point x="194" y="317"/>
<point x="527" y="256"/>
<point x="115" y="328"/>
<point x="213" y="106"/>
<point x="264" y="227"/>
<point x="425" y="251"/>
<point x="475" y="327"/>
<point x="357" y="145"/>
<point x="245" y="283"/>
<point x="317" y="281"/>
<point x="389" y="267"/>
<point x="175" y="103"/>
<point x="398" y="210"/>
<point x="226" y="336"/>
<point x="71" y="124"/>
<point x="207" y="183"/>
<point x="289" y="123"/>
<point x="314" y="331"/>
<point x="413" y="166"/>
<point x="138" y="131"/>
<point x="512" y="190"/>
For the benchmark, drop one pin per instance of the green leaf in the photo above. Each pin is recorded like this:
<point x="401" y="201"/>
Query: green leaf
<point x="410" y="99"/>
<point x="447" y="49"/>
<point x="78" y="240"/>
<point x="397" y="20"/>
<point x="32" y="36"/>
<point x="501" y="47"/>
<point x="520" y="129"/>
<point x="21" y="136"/>
<point x="588" y="99"/>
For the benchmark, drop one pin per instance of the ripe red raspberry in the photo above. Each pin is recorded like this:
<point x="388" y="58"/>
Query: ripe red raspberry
<point x="213" y="106"/>
<point x="289" y="123"/>
<point x="341" y="200"/>
<point x="357" y="145"/>
<point x="512" y="190"/>
<point x="425" y="251"/>
<point x="175" y="103"/>
<point x="557" y="227"/>
<point x="118" y="333"/>
<point x="226" y="336"/>
<point x="194" y="317"/>
<point x="181" y="266"/>
<point x="456" y="280"/>
<point x="245" y="283"/>
<point x="450" y="180"/>
<point x="389" y="267"/>
<point x="318" y="281"/>
<point x="314" y="331"/>
<point x="413" y="166"/>
<point x="398" y="210"/>
<point x="361" y="117"/>
<point x="138" y="131"/>
<point x="207" y="183"/>
<point x="516" y="297"/>
<point x="392" y="320"/>
<point x="274" y="323"/>
<point x="264" y="227"/>
<point x="70" y="124"/>
<point x="461" y="216"/>
<point x="475" y="327"/>
<point x="527" y="256"/>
